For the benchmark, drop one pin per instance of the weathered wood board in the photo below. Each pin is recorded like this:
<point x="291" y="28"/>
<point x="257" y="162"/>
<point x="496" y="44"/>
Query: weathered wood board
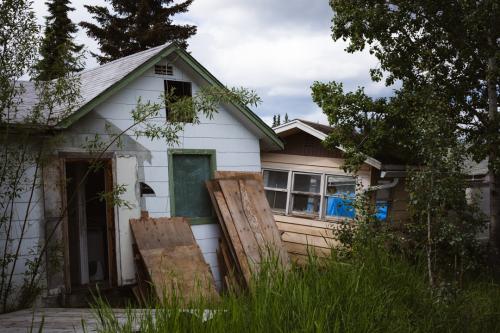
<point x="179" y="272"/>
<point x="303" y="237"/>
<point x="173" y="260"/>
<point x="247" y="222"/>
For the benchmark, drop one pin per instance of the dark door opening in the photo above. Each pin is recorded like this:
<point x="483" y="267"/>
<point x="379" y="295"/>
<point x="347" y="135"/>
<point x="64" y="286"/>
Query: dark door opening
<point x="90" y="225"/>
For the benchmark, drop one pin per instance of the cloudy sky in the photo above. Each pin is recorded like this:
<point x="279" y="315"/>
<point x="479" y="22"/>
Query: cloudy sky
<point x="276" y="47"/>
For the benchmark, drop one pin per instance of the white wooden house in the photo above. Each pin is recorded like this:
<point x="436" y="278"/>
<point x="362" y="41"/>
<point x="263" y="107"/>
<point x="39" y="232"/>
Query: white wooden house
<point x="165" y="181"/>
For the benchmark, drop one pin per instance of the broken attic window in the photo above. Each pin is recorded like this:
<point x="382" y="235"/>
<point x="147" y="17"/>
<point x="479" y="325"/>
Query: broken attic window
<point x="146" y="190"/>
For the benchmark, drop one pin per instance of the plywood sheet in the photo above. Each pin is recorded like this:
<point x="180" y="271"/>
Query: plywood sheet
<point x="173" y="260"/>
<point x="163" y="232"/>
<point x="179" y="272"/>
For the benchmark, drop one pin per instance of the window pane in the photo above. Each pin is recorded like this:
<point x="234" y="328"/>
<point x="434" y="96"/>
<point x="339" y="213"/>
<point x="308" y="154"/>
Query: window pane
<point x="306" y="203"/>
<point x="306" y="183"/>
<point x="189" y="175"/>
<point x="340" y="185"/>
<point x="340" y="206"/>
<point x="276" y="179"/>
<point x="277" y="200"/>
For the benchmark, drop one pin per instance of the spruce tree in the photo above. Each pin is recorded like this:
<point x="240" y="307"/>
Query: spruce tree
<point x="286" y="118"/>
<point x="59" y="53"/>
<point x="274" y="121"/>
<point x="136" y="25"/>
<point x="278" y="120"/>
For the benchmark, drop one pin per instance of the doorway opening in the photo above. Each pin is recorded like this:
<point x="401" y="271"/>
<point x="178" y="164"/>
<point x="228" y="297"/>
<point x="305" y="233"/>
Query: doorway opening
<point x="90" y="228"/>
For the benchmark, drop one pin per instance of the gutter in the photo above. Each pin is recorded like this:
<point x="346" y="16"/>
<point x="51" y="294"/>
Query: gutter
<point x="392" y="184"/>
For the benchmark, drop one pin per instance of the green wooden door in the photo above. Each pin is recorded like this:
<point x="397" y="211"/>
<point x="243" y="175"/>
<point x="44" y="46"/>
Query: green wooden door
<point x="190" y="198"/>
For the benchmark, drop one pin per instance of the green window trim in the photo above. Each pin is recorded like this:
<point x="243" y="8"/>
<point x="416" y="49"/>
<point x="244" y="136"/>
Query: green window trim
<point x="213" y="166"/>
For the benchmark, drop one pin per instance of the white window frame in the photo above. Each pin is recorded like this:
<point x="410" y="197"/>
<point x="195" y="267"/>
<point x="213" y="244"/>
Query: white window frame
<point x="322" y="194"/>
<point x="292" y="192"/>
<point x="287" y="190"/>
<point x="325" y="195"/>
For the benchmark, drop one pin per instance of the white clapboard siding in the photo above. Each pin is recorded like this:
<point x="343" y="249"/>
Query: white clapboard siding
<point x="237" y="149"/>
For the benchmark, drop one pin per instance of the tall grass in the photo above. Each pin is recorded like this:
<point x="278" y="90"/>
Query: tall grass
<point x="371" y="291"/>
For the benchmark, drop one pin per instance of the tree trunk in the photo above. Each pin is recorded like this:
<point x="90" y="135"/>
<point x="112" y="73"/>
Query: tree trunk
<point x="494" y="239"/>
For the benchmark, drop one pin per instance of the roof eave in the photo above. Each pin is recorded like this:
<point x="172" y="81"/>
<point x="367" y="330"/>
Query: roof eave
<point x="89" y="106"/>
<point x="321" y="136"/>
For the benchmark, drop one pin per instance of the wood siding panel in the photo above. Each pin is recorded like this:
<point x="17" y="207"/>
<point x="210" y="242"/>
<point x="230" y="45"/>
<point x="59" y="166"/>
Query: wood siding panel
<point x="306" y="145"/>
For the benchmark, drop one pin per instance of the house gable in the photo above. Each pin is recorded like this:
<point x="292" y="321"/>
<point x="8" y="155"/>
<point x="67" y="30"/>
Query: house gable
<point x="136" y="66"/>
<point x="304" y="144"/>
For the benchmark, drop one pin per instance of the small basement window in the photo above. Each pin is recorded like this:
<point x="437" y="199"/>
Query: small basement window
<point x="178" y="90"/>
<point x="146" y="190"/>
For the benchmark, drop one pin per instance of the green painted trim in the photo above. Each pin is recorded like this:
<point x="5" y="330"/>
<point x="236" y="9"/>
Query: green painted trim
<point x="86" y="108"/>
<point x="198" y="68"/>
<point x="202" y="220"/>
<point x="213" y="167"/>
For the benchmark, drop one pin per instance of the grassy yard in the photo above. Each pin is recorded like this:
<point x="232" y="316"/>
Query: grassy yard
<point x="370" y="292"/>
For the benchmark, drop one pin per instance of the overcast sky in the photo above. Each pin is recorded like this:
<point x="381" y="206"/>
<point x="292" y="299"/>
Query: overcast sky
<point x="276" y="47"/>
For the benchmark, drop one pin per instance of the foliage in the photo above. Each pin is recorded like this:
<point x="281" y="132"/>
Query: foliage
<point x="60" y="55"/>
<point x="445" y="55"/>
<point x="432" y="122"/>
<point x="133" y="26"/>
<point x="371" y="291"/>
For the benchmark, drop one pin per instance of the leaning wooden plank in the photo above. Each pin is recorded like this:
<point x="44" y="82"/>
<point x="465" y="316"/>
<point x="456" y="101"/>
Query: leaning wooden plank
<point x="326" y="243"/>
<point x="231" y="278"/>
<point x="253" y="218"/>
<point x="152" y="233"/>
<point x="179" y="272"/>
<point x="227" y="230"/>
<point x="172" y="258"/>
<point x="255" y="192"/>
<point x="231" y="190"/>
<point x="233" y="237"/>
<point x="238" y="175"/>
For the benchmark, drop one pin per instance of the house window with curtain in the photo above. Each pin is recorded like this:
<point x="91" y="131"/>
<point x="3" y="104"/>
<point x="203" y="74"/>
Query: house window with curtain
<point x="306" y="193"/>
<point x="276" y="187"/>
<point x="340" y="192"/>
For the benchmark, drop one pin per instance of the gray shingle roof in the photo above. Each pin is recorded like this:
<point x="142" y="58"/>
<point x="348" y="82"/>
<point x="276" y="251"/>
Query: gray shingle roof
<point x="92" y="83"/>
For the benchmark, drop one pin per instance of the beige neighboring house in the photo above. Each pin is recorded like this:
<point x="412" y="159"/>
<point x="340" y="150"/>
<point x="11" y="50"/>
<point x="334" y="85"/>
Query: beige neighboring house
<point x="307" y="180"/>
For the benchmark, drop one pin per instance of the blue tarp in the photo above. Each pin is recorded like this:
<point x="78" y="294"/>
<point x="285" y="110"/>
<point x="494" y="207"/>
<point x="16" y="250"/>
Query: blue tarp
<point x="382" y="207"/>
<point x="340" y="206"/>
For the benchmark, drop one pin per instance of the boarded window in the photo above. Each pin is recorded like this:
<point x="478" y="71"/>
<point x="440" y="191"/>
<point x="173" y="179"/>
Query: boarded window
<point x="179" y="90"/>
<point x="190" y="196"/>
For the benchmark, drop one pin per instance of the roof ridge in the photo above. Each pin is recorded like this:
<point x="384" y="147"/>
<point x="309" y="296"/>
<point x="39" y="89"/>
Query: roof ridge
<point x="159" y="47"/>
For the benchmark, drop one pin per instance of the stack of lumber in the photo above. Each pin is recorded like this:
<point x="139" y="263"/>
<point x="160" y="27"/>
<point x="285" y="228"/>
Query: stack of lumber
<point x="173" y="261"/>
<point x="304" y="237"/>
<point x="250" y="234"/>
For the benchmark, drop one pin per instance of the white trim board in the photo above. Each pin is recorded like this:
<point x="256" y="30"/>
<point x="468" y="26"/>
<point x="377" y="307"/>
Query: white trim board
<point x="297" y="124"/>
